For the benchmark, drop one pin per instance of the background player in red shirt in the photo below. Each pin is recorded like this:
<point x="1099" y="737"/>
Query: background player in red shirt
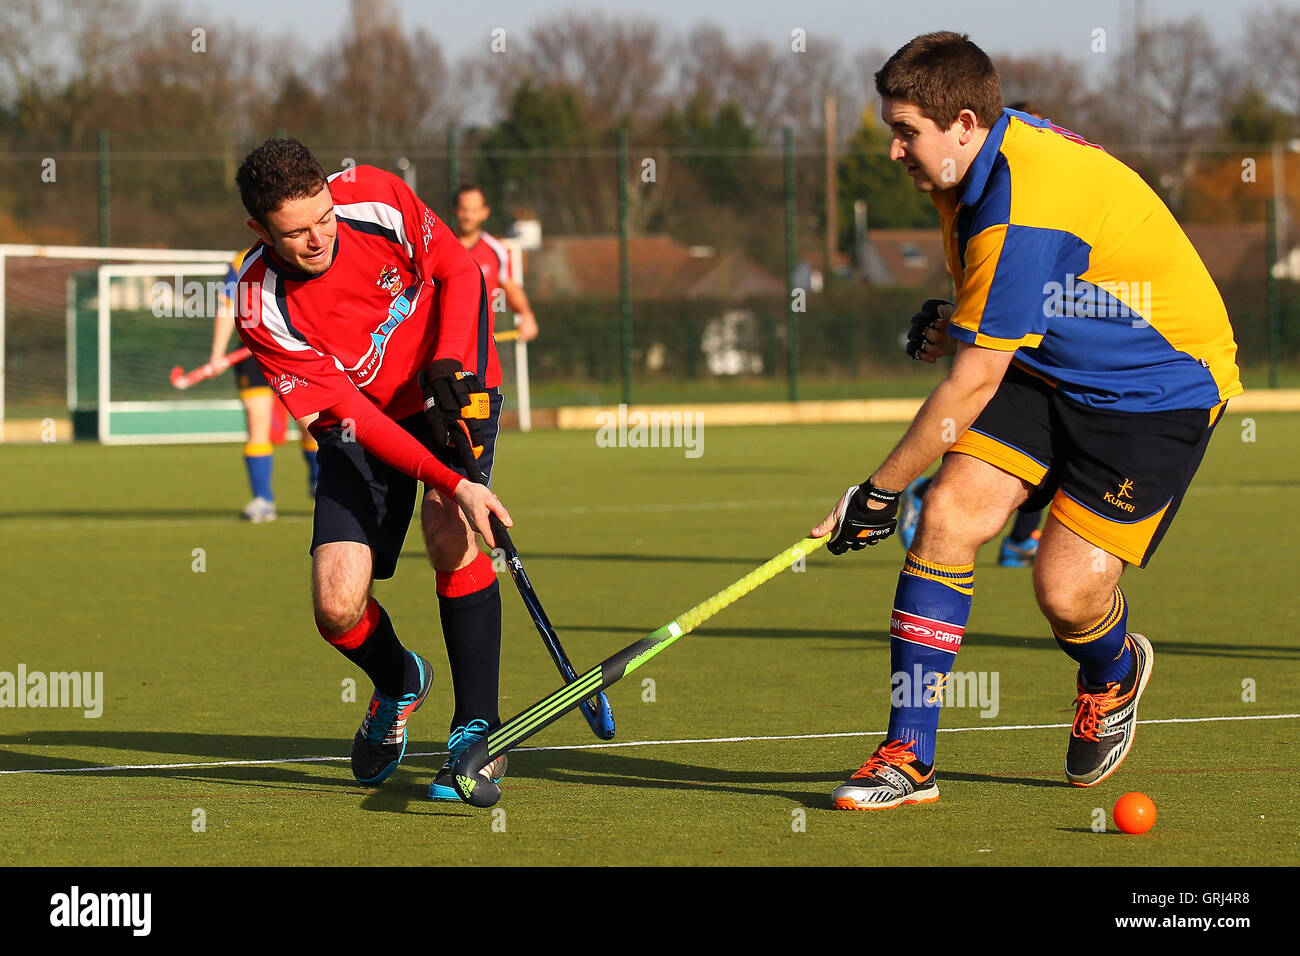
<point x="472" y="211"/>
<point x="355" y="289"/>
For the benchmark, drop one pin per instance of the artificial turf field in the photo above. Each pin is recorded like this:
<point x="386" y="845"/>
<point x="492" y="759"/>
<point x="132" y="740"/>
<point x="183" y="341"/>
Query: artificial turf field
<point x="218" y="692"/>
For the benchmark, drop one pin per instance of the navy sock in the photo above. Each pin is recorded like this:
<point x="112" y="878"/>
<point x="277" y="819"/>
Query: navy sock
<point x="931" y="607"/>
<point x="1101" y="651"/>
<point x="471" y="628"/>
<point x="1023" y="528"/>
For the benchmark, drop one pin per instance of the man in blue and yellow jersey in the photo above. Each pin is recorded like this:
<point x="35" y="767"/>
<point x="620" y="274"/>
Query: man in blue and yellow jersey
<point x="261" y="406"/>
<point x="1092" y="357"/>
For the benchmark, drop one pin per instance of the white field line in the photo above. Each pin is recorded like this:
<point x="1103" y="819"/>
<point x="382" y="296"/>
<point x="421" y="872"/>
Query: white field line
<point x="625" y="743"/>
<point x="36" y="523"/>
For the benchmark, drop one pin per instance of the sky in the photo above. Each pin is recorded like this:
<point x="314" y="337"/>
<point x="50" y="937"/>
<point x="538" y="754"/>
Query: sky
<point x="999" y="26"/>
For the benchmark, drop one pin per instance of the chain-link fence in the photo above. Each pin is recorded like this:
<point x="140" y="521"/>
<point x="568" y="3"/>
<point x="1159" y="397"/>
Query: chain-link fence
<point x="729" y="283"/>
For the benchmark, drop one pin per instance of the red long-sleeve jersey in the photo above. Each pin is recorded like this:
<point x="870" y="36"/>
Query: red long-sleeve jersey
<point x="400" y="292"/>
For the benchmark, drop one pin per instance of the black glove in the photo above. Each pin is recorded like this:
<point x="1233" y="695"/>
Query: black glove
<point x="454" y="398"/>
<point x="859" y="525"/>
<point x="920" y="323"/>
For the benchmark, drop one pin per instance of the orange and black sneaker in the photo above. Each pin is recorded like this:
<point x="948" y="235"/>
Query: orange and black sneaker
<point x="891" y="778"/>
<point x="1105" y="719"/>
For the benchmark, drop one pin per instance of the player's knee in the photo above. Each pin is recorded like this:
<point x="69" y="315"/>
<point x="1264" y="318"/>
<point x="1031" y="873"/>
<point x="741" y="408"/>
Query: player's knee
<point x="949" y="513"/>
<point x="337" y="613"/>
<point x="1067" y="607"/>
<point x="447" y="537"/>
<point x="451" y="550"/>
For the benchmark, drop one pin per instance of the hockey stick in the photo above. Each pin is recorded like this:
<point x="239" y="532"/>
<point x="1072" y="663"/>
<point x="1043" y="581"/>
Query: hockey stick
<point x="479" y="791"/>
<point x="183" y="379"/>
<point x="506" y="335"/>
<point x="596" y="709"/>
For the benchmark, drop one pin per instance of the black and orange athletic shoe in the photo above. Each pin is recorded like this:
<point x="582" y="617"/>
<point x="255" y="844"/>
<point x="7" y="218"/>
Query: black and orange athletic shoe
<point x="1105" y="719"/>
<point x="892" y="777"/>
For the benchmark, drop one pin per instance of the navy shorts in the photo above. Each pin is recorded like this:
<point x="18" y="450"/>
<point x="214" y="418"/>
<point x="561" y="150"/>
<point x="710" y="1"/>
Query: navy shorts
<point x="1114" y="478"/>
<point x="362" y="498"/>
<point x="248" y="374"/>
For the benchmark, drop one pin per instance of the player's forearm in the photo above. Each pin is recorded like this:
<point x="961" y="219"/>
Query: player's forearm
<point x="384" y="438"/>
<point x="222" y="327"/>
<point x="951" y="408"/>
<point x="516" y="299"/>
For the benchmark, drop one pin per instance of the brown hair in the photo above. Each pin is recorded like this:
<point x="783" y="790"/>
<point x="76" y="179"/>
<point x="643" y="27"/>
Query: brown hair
<point x="469" y="188"/>
<point x="943" y="73"/>
<point x="275" y="172"/>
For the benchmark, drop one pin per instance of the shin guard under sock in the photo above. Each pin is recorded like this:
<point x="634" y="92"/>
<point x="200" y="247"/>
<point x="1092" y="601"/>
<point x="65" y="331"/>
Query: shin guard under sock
<point x="1100" y="650"/>
<point x="469" y="604"/>
<point x="931" y="607"/>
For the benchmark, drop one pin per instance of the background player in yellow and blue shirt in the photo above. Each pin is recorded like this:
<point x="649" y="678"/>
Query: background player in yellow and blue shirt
<point x="261" y="406"/>
<point x="1092" y="357"/>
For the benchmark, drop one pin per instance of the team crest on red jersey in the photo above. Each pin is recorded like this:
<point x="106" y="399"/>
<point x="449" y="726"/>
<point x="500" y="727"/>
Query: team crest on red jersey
<point x="390" y="280"/>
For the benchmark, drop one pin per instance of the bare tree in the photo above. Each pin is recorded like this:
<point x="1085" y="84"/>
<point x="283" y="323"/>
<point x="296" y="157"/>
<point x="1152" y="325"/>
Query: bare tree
<point x="27" y="55"/>
<point x="615" y="65"/>
<point x="752" y="77"/>
<point x="386" y="87"/>
<point x="1272" y="45"/>
<point x="1182" y="79"/>
<point x="1053" y="84"/>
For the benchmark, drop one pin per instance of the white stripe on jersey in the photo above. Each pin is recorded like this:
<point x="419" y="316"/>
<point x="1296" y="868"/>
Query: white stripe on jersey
<point x="272" y="319"/>
<point x="382" y="214"/>
<point x="503" y="256"/>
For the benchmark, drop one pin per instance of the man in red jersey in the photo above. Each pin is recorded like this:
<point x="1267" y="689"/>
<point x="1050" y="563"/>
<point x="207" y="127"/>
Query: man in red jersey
<point x="472" y="210"/>
<point x="354" y="289"/>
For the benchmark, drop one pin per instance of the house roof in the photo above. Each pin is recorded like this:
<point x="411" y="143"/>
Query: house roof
<point x="906" y="257"/>
<point x="658" y="268"/>
<point x="1231" y="251"/>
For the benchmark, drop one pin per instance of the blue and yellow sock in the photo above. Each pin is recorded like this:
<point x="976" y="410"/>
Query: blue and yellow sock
<point x="931" y="607"/>
<point x="1100" y="650"/>
<point x="257" y="459"/>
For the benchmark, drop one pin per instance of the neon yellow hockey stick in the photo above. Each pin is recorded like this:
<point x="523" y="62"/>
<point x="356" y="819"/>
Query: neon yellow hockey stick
<point x="479" y="791"/>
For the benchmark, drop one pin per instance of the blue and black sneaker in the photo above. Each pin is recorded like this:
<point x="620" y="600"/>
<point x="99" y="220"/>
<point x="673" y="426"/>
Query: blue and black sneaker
<point x="909" y="510"/>
<point x="380" y="744"/>
<point x="1018" y="554"/>
<point x="462" y="738"/>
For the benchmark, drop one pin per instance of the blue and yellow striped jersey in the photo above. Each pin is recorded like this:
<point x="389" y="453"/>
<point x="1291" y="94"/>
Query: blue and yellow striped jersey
<point x="1062" y="253"/>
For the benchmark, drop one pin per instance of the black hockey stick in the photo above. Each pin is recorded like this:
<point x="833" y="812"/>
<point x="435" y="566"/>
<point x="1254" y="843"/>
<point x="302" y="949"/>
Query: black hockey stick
<point x="596" y="708"/>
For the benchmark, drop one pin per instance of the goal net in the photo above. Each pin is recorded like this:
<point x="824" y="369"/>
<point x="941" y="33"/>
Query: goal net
<point x="80" y="344"/>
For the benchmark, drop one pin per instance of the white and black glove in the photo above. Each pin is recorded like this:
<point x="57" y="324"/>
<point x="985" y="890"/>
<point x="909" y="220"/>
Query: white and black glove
<point x="858" y="525"/>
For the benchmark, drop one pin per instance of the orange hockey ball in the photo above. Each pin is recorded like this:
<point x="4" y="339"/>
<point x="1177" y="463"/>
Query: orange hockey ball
<point x="1134" y="813"/>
